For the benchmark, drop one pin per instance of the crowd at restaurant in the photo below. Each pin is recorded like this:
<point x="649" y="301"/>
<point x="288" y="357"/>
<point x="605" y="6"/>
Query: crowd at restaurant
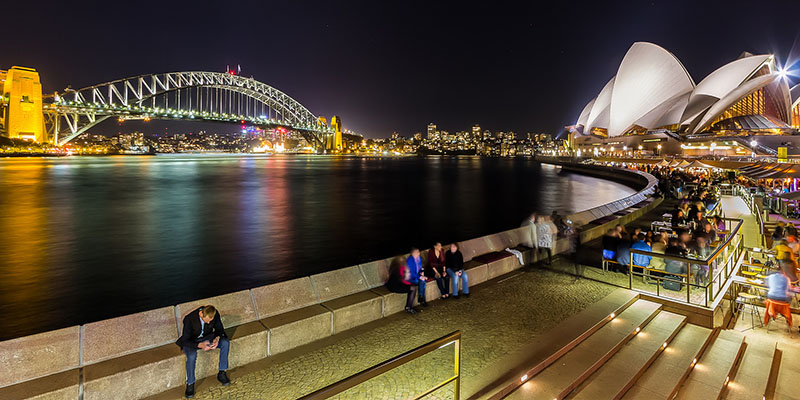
<point x="690" y="230"/>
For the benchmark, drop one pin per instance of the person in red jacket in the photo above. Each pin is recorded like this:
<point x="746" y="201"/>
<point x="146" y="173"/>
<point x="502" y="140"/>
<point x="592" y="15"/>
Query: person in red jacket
<point x="400" y="282"/>
<point x="436" y="269"/>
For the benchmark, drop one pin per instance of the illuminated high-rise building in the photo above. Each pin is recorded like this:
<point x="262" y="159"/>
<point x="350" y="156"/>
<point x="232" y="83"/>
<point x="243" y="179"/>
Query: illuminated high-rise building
<point x="476" y="132"/>
<point x="432" y="131"/>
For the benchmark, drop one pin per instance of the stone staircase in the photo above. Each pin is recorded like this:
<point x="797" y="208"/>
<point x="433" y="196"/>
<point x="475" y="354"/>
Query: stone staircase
<point x="644" y="352"/>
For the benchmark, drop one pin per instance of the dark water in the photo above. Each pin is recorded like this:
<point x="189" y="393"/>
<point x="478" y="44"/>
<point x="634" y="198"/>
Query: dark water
<point x="85" y="239"/>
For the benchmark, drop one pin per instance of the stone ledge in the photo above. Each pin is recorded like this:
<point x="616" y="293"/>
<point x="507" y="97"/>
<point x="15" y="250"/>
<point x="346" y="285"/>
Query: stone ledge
<point x="392" y="302"/>
<point x="503" y="266"/>
<point x="283" y="297"/>
<point x="298" y="327"/>
<point x="111" y="338"/>
<point x="235" y="308"/>
<point x="248" y="344"/>
<point x="354" y="310"/>
<point x="477" y="274"/>
<point x="62" y="386"/>
<point x="376" y="272"/>
<point x="39" y="355"/>
<point x="135" y="376"/>
<point x="339" y="283"/>
<point x="153" y="371"/>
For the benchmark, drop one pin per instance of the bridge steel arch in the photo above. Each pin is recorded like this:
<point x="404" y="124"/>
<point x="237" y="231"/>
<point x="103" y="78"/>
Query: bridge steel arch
<point x="195" y="95"/>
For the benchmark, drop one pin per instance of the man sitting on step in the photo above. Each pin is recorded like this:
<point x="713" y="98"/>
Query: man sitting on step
<point x="202" y="329"/>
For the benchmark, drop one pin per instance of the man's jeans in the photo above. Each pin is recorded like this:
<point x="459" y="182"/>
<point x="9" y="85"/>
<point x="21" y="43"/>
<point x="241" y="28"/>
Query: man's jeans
<point x="421" y="285"/>
<point x="454" y="278"/>
<point x="191" y="357"/>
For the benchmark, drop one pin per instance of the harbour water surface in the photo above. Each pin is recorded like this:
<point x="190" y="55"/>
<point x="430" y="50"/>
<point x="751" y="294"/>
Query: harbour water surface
<point x="85" y="239"/>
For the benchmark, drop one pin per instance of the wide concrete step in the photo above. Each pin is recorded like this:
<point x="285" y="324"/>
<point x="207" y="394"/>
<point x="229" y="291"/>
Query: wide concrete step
<point x="714" y="369"/>
<point x="566" y="373"/>
<point x="663" y="377"/>
<point x="753" y="376"/>
<point x="786" y="384"/>
<point x="619" y="373"/>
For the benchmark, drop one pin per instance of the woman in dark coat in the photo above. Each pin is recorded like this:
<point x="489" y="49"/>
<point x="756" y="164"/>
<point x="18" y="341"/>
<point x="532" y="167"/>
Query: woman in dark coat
<point x="436" y="269"/>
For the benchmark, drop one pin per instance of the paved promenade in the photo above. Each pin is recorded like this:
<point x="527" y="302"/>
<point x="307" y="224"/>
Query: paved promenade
<point x="735" y="207"/>
<point x="499" y="318"/>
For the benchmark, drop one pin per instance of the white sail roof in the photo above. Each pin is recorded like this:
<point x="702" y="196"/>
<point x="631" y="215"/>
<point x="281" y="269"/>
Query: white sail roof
<point x="585" y="113"/>
<point x="731" y="98"/>
<point x="652" y="89"/>
<point x="729" y="76"/>
<point x="598" y="117"/>
<point x="647" y="77"/>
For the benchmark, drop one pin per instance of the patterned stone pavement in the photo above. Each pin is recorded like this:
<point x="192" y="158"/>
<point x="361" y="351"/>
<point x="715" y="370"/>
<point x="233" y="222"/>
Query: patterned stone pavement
<point x="497" y="319"/>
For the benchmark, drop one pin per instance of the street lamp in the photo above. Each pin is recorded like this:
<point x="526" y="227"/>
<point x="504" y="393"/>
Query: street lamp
<point x="753" y="145"/>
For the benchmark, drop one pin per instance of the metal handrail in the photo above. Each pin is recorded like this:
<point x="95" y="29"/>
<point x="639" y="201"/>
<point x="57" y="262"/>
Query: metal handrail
<point x="709" y="260"/>
<point x="708" y="289"/>
<point x="395" y="362"/>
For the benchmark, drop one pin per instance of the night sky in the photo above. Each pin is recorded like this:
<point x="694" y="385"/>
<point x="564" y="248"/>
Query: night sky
<point x="396" y="65"/>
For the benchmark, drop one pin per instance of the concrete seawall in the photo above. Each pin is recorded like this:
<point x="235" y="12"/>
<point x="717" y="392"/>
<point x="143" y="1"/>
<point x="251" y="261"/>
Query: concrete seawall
<point x="102" y="360"/>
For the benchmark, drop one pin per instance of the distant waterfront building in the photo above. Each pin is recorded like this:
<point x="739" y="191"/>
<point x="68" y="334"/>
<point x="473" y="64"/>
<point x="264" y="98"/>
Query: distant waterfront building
<point x="431" y="130"/>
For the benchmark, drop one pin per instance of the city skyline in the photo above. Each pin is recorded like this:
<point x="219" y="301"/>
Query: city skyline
<point x="390" y="68"/>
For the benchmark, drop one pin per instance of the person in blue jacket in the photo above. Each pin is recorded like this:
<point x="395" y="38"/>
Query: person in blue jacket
<point x="641" y="260"/>
<point x="416" y="272"/>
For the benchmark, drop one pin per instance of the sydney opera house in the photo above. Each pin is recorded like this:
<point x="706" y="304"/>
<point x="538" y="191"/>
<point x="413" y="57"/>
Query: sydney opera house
<point x="652" y="105"/>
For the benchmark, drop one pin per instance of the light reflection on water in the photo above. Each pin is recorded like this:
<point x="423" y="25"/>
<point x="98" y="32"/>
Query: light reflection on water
<point x="89" y="238"/>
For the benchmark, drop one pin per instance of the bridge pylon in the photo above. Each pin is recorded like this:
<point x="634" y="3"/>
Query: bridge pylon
<point x="21" y="104"/>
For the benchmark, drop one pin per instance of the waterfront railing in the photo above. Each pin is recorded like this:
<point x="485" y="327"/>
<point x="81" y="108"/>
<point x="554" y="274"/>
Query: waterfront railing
<point x="351" y="382"/>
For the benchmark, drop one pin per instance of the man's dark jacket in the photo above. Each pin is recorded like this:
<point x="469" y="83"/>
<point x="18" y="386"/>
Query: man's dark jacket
<point x="191" y="329"/>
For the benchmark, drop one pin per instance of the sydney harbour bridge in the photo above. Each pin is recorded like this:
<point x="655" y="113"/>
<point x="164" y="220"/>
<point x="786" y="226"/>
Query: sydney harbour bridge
<point x="193" y="95"/>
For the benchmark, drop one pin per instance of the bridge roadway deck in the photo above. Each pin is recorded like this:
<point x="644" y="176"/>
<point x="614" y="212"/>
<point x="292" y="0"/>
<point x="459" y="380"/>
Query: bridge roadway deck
<point x="499" y="318"/>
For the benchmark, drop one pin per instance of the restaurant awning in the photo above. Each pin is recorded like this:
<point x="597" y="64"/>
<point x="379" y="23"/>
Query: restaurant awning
<point x="699" y="164"/>
<point x="775" y="171"/>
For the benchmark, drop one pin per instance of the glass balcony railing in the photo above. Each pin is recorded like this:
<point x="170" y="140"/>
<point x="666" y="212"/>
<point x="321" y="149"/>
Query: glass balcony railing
<point x="697" y="279"/>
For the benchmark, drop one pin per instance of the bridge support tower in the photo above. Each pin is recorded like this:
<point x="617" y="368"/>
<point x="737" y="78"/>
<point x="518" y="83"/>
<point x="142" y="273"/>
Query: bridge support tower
<point x="21" y="104"/>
